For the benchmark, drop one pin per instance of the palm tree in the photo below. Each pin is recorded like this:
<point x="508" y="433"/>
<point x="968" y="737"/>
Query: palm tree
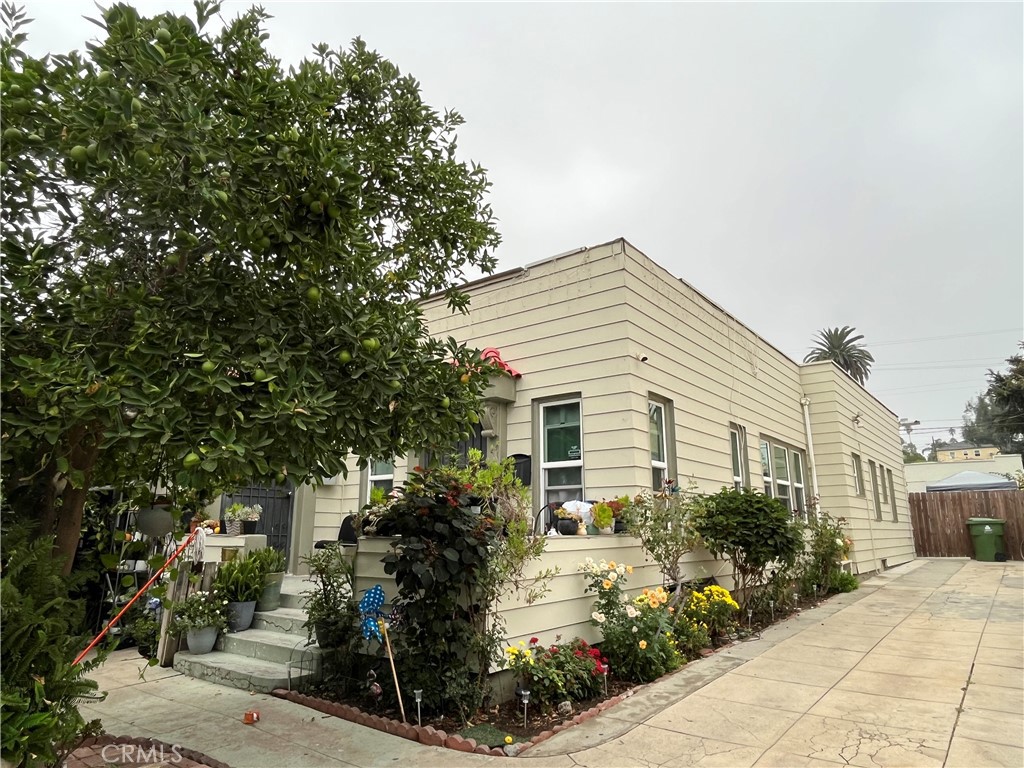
<point x="840" y="346"/>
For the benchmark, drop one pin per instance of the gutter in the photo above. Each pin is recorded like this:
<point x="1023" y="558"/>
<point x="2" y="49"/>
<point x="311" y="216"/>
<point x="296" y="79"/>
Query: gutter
<point x="805" y="403"/>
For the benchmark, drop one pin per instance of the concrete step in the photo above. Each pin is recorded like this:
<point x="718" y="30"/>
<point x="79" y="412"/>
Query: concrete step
<point x="264" y="645"/>
<point x="291" y="591"/>
<point x="239" y="671"/>
<point x="288" y="621"/>
<point x="293" y="601"/>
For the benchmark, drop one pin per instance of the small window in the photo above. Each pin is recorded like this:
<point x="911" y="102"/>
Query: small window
<point x="885" y="488"/>
<point x="977" y="452"/>
<point x="740" y="465"/>
<point x="952" y="454"/>
<point x="858" y="476"/>
<point x="780" y="462"/>
<point x="659" y="452"/>
<point x="892" y="497"/>
<point x="561" y="451"/>
<point x="381" y="475"/>
<point x="766" y="468"/>
<point x="873" y="469"/>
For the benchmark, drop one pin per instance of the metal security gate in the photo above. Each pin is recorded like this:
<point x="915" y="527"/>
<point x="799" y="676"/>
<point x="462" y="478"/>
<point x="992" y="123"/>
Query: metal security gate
<point x="459" y="453"/>
<point x="277" y="502"/>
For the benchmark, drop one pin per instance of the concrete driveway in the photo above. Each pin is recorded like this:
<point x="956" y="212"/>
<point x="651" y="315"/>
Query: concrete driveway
<point x="923" y="666"/>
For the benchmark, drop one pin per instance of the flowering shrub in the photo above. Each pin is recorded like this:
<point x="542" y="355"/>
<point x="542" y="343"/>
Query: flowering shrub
<point x="827" y="546"/>
<point x="568" y="671"/>
<point x="712" y="608"/>
<point x="637" y="637"/>
<point x="199" y="610"/>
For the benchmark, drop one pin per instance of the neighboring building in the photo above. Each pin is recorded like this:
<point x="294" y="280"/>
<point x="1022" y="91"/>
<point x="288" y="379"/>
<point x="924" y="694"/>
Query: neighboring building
<point x="630" y="376"/>
<point x="925" y="473"/>
<point x="966" y="451"/>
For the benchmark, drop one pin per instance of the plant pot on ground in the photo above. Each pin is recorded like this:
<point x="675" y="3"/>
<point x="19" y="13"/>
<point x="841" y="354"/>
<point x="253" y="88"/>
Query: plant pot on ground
<point x="200" y="617"/>
<point x="271" y="563"/>
<point x="332" y="616"/>
<point x="240" y="582"/>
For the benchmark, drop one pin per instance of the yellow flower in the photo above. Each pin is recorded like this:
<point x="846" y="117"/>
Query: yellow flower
<point x="606" y="584"/>
<point x="629" y="569"/>
<point x="611" y="564"/>
<point x="671" y="609"/>
<point x="646" y="590"/>
<point x="642" y="644"/>
<point x="508" y="739"/>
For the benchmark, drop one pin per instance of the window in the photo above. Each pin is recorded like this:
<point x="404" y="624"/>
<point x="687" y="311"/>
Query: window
<point x="561" y="451"/>
<point x="740" y="464"/>
<point x="782" y="470"/>
<point x="874" y="489"/>
<point x="892" y="497"/>
<point x="766" y="468"/>
<point x="858" y="476"/>
<point x="952" y="454"/>
<point x="798" y="483"/>
<point x="381" y="474"/>
<point x="659" y="453"/>
<point x="977" y="452"/>
<point x="885" y="488"/>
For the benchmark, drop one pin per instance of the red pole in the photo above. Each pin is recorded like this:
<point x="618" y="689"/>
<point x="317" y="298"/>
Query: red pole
<point x="138" y="594"/>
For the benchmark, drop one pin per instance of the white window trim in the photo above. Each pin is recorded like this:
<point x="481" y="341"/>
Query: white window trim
<point x="858" y="474"/>
<point x="546" y="465"/>
<point x="653" y="405"/>
<point x="876" y="498"/>
<point x="768" y="480"/>
<point x="885" y="490"/>
<point x="370" y="477"/>
<point x="801" y="507"/>
<point x="739" y="447"/>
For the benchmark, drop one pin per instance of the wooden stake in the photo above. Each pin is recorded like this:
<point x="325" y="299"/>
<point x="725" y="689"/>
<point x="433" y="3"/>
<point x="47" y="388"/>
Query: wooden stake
<point x="394" y="673"/>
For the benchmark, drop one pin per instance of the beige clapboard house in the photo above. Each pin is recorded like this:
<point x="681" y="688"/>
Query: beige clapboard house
<point x="628" y="375"/>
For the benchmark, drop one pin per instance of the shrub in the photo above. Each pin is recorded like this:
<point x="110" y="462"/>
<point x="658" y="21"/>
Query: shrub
<point x="843" y="581"/>
<point x="753" y="531"/>
<point x="664" y="523"/>
<point x="568" y="671"/>
<point x="637" y="638"/>
<point x="41" y="688"/>
<point x="827" y="546"/>
<point x="199" y="610"/>
<point x="712" y="608"/>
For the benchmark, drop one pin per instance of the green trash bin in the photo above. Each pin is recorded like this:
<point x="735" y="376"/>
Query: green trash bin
<point x="987" y="534"/>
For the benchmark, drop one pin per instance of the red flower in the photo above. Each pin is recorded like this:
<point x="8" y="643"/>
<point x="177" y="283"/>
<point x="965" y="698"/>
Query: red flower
<point x="584" y="643"/>
<point x="578" y="654"/>
<point x="534" y="641"/>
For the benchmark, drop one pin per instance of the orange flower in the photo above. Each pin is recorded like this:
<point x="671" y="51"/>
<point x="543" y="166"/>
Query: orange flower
<point x="611" y="564"/>
<point x="643" y="644"/>
<point x="606" y="584"/>
<point x="646" y="590"/>
<point x="629" y="569"/>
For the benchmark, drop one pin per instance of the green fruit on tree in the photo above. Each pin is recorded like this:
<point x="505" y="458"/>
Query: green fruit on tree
<point x="92" y="150"/>
<point x="370" y="345"/>
<point x="141" y="157"/>
<point x="280" y="478"/>
<point x="344" y="356"/>
<point x="316" y="207"/>
<point x="209" y="366"/>
<point x="264" y="243"/>
<point x="191" y="460"/>
<point x="473" y="418"/>
<point x="313" y="294"/>
<point x="21" y="106"/>
<point x="172" y="260"/>
<point x="221" y="195"/>
<point x="12" y="134"/>
<point x="79" y="153"/>
<point x="136" y="106"/>
<point x="259" y="375"/>
<point x="395" y="384"/>
<point x="104" y="77"/>
<point x="163" y="36"/>
<point x="445" y="402"/>
<point x="334" y="211"/>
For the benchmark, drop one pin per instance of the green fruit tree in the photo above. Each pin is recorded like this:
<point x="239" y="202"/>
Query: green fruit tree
<point x="185" y="235"/>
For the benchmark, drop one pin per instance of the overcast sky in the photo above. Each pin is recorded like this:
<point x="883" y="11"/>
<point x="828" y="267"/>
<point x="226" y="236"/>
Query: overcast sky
<point x="803" y="165"/>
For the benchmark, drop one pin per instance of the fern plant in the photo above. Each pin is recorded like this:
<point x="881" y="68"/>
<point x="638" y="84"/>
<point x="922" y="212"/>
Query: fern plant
<point x="41" y="688"/>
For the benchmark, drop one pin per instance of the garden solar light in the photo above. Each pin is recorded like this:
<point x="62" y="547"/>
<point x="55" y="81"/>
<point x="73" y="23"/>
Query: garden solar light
<point x="418" y="693"/>
<point x="526" y="702"/>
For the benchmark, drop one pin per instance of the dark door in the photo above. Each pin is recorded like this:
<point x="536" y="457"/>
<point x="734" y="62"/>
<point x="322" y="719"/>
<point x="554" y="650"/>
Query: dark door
<point x="459" y="453"/>
<point x="276" y="521"/>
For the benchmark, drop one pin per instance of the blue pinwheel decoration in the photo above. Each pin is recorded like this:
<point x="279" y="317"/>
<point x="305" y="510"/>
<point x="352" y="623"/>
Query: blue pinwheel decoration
<point x="369" y="607"/>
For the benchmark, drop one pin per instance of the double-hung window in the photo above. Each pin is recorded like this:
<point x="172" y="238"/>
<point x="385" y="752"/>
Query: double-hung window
<point x="780" y="460"/>
<point x="797" y="478"/>
<point x="892" y="496"/>
<point x="659" y="450"/>
<point x="884" y="487"/>
<point x="858" y="475"/>
<point x="766" y="468"/>
<point x="873" y="470"/>
<point x="740" y="465"/>
<point x="561" y="451"/>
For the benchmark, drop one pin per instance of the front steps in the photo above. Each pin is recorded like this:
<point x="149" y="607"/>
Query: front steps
<point x="271" y="654"/>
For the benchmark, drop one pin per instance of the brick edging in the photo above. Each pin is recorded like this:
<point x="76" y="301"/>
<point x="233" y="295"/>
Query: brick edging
<point x="100" y="741"/>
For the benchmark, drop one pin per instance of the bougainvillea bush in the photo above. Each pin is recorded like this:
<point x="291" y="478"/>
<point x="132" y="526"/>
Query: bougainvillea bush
<point x="637" y="637"/>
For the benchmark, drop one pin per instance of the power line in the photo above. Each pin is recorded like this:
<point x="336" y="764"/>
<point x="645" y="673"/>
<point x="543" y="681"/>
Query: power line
<point x="941" y="338"/>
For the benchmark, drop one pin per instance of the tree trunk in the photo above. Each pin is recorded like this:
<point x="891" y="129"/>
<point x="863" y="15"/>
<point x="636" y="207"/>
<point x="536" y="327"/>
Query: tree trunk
<point x="82" y="456"/>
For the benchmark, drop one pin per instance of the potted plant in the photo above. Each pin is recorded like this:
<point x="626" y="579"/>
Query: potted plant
<point x="618" y="505"/>
<point x="200" y="517"/>
<point x="568" y="523"/>
<point x="237" y="514"/>
<point x="603" y="517"/>
<point x="271" y="563"/>
<point x="240" y="582"/>
<point x="332" y="616"/>
<point x="201" y="617"/>
<point x="144" y="628"/>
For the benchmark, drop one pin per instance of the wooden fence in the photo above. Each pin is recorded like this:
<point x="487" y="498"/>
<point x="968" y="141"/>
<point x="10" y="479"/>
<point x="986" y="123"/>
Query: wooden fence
<point x="939" y="521"/>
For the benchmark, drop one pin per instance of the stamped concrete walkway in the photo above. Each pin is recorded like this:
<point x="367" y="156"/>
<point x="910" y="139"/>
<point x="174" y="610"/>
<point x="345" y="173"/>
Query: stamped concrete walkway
<point x="923" y="666"/>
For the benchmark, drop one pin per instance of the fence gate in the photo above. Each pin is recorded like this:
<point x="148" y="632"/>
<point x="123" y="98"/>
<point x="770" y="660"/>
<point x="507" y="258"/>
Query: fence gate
<point x="940" y="521"/>
<point x="277" y="502"/>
